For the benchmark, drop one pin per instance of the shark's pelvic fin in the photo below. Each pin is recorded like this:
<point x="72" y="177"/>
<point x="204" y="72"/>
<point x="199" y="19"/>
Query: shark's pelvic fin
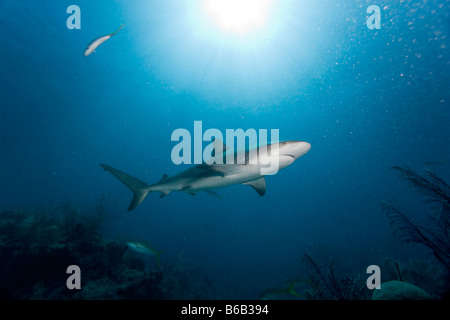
<point x="138" y="187"/>
<point x="189" y="190"/>
<point x="164" y="177"/>
<point x="212" y="193"/>
<point x="259" y="185"/>
<point x="163" y="194"/>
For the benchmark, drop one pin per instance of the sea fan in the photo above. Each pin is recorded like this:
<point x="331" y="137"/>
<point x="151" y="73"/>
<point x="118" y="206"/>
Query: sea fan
<point x="435" y="190"/>
<point x="327" y="286"/>
<point x="435" y="234"/>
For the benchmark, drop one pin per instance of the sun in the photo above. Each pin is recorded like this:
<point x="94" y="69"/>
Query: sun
<point x="238" y="16"/>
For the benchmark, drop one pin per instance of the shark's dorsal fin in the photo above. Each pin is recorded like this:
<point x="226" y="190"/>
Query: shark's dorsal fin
<point x="164" y="177"/>
<point x="218" y="144"/>
<point x="215" y="152"/>
<point x="259" y="185"/>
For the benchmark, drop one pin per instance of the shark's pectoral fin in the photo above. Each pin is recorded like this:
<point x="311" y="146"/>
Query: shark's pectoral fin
<point x="259" y="185"/>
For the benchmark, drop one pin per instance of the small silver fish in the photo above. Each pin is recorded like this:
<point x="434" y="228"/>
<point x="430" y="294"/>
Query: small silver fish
<point x="145" y="249"/>
<point x="98" y="41"/>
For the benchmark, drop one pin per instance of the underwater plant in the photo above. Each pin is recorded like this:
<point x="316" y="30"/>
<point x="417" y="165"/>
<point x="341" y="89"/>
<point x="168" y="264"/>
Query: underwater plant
<point x="328" y="286"/>
<point x="434" y="231"/>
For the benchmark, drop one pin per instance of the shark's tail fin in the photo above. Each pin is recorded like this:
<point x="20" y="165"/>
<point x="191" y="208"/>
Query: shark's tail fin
<point x="138" y="187"/>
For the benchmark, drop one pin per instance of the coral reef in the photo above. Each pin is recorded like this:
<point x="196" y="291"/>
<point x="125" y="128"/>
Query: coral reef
<point x="37" y="246"/>
<point x="424" y="273"/>
<point x="400" y="290"/>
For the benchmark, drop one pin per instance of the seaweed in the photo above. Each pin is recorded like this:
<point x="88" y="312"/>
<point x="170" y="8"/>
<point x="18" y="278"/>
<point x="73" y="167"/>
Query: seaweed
<point x="326" y="285"/>
<point x="433" y="232"/>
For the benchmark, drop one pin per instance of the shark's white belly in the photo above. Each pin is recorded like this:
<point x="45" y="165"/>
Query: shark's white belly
<point x="239" y="174"/>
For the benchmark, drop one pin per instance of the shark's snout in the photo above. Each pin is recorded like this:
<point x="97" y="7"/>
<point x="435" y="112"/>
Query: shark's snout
<point x="296" y="149"/>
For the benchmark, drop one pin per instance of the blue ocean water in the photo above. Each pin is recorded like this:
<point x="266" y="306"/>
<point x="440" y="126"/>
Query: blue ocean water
<point x="365" y="99"/>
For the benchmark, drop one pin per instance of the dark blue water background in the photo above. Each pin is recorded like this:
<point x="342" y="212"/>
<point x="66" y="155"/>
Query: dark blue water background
<point x="365" y="99"/>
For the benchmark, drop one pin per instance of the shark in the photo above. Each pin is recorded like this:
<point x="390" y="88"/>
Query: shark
<point x="206" y="177"/>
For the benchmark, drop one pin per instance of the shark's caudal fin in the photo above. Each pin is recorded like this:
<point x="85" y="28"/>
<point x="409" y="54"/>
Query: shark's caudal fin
<point x="138" y="187"/>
